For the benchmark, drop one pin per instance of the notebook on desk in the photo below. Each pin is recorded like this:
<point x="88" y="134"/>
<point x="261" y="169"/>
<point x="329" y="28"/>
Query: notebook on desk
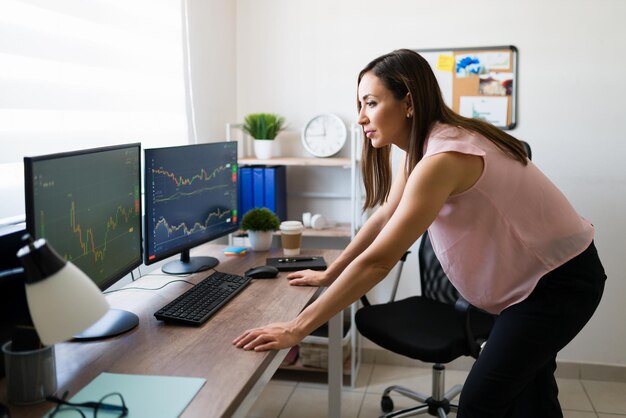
<point x="287" y="263"/>
<point x="144" y="395"/>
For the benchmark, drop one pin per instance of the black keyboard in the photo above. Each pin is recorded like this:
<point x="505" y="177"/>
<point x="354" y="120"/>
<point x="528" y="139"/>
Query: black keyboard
<point x="199" y="303"/>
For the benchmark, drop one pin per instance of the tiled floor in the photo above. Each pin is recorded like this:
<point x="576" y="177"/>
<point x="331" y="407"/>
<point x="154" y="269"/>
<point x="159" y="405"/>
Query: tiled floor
<point x="291" y="399"/>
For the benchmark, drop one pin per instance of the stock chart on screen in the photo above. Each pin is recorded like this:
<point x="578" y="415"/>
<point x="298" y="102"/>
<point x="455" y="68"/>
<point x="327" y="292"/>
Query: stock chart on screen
<point x="88" y="206"/>
<point x="191" y="196"/>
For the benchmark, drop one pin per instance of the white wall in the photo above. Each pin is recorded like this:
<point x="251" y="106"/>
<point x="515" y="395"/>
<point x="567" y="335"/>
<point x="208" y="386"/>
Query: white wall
<point x="299" y="58"/>
<point x="211" y="41"/>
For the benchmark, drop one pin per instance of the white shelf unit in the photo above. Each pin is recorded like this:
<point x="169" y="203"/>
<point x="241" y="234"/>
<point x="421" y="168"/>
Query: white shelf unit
<point x="342" y="230"/>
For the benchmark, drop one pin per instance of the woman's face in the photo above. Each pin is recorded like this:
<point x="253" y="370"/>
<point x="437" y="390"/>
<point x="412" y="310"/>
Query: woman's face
<point x="383" y="117"/>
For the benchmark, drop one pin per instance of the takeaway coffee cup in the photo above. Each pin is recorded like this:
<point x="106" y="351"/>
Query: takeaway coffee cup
<point x="291" y="236"/>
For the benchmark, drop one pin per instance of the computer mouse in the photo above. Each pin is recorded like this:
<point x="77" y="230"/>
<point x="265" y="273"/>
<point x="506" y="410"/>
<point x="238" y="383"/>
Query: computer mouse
<point x="262" y="272"/>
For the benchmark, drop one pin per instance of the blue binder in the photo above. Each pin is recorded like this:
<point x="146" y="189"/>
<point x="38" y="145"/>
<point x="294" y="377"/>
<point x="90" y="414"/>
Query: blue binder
<point x="275" y="178"/>
<point x="258" y="187"/>
<point x="245" y="190"/>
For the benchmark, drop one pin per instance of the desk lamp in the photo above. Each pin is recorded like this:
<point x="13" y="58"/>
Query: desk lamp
<point x="62" y="300"/>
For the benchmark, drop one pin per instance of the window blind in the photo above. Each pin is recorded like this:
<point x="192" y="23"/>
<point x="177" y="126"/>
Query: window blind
<point x="77" y="74"/>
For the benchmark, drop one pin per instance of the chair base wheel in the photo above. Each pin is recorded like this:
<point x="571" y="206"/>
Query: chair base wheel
<point x="386" y="404"/>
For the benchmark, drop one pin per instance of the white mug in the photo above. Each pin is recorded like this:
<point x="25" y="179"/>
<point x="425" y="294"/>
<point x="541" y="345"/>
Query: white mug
<point x="318" y="221"/>
<point x="306" y="219"/>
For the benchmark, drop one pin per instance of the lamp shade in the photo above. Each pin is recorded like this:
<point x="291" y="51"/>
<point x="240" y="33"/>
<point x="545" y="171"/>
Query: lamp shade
<point x="62" y="300"/>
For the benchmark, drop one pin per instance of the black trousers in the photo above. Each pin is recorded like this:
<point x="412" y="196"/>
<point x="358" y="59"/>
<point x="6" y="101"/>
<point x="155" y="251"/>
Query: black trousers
<point x="514" y="375"/>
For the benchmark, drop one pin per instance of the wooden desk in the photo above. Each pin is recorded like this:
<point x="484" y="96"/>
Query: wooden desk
<point x="234" y="377"/>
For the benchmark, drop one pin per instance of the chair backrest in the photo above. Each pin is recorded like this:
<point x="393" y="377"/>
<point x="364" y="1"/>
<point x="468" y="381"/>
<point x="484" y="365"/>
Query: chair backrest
<point x="435" y="283"/>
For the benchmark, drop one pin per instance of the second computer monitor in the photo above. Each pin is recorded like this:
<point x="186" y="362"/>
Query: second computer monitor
<point x="190" y="199"/>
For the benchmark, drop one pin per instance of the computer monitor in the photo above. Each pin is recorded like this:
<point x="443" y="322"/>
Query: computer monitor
<point x="190" y="199"/>
<point x="87" y="205"/>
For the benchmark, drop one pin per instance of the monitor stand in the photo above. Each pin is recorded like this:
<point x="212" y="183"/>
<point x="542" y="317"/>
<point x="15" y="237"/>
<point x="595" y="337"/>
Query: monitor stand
<point x="114" y="322"/>
<point x="189" y="265"/>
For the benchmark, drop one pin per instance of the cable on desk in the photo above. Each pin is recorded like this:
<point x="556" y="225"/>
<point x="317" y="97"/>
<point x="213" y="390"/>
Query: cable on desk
<point x="147" y="288"/>
<point x="156" y="288"/>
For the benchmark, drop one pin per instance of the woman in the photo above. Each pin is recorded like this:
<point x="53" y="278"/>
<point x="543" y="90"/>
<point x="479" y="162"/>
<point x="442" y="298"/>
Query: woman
<point x="508" y="239"/>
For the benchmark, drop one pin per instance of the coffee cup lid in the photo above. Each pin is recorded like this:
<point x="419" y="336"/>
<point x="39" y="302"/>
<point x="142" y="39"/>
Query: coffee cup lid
<point x="291" y="226"/>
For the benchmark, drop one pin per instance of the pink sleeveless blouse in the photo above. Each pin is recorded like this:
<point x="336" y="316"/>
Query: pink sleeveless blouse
<point x="497" y="239"/>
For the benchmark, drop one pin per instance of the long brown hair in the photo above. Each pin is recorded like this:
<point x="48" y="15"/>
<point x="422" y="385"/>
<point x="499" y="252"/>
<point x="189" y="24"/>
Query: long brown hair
<point x="405" y="71"/>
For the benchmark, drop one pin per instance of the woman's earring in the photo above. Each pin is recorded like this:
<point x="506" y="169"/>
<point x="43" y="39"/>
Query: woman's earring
<point x="408" y="115"/>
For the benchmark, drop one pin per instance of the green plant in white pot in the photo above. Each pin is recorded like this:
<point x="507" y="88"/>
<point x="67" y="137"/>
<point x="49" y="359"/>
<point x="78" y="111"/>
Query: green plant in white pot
<point x="263" y="127"/>
<point x="260" y="223"/>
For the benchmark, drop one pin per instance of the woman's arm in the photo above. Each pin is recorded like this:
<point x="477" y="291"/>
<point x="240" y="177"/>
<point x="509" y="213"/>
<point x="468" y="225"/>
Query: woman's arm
<point x="432" y="181"/>
<point x="366" y="235"/>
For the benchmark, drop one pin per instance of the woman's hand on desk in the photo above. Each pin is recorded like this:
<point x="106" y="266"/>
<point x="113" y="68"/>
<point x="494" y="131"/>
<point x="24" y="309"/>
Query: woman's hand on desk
<point x="309" y="278"/>
<point x="270" y="337"/>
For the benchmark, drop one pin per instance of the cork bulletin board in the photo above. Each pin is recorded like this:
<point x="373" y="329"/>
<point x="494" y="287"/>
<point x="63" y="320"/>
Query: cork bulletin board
<point x="478" y="82"/>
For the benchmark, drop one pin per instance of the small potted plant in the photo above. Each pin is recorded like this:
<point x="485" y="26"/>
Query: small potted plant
<point x="260" y="223"/>
<point x="263" y="127"/>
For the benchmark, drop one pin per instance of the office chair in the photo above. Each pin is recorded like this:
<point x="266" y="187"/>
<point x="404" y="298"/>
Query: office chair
<point x="436" y="327"/>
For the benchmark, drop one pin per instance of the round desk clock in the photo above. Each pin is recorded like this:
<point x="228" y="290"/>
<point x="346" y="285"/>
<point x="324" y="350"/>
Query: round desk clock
<point x="324" y="135"/>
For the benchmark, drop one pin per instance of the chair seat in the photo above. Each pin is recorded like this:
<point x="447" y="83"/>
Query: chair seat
<point x="421" y="328"/>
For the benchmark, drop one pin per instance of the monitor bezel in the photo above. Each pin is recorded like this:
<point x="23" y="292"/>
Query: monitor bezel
<point x="29" y="190"/>
<point x="179" y="249"/>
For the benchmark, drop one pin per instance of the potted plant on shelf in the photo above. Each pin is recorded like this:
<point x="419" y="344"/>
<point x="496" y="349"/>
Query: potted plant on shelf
<point x="260" y="223"/>
<point x="263" y="127"/>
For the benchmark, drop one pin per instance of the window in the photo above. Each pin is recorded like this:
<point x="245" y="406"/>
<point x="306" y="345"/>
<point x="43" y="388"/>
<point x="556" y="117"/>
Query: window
<point x="77" y="74"/>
